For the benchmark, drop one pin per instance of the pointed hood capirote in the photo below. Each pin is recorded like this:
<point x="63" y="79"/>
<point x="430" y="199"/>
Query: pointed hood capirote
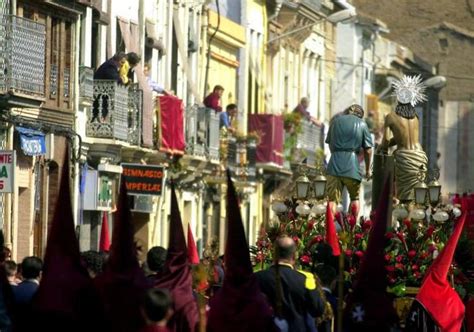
<point x="193" y="254"/>
<point x="436" y="294"/>
<point x="66" y="299"/>
<point x="122" y="285"/>
<point x="369" y="307"/>
<point x="176" y="275"/>
<point x="239" y="305"/>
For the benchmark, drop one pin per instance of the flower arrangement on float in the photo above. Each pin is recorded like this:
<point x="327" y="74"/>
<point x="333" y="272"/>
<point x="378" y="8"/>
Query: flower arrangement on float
<point x="413" y="242"/>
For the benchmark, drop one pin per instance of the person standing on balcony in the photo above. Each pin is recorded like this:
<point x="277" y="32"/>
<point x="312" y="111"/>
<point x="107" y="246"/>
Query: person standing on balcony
<point x="126" y="67"/>
<point x="348" y="134"/>
<point x="109" y="70"/>
<point x="154" y="86"/>
<point x="225" y="118"/>
<point x="213" y="100"/>
<point x="302" y="110"/>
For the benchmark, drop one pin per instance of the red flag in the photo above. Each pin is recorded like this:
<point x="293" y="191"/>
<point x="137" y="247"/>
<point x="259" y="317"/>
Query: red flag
<point x="436" y="295"/>
<point x="331" y="236"/>
<point x="171" y="132"/>
<point x="192" y="249"/>
<point x="104" y="244"/>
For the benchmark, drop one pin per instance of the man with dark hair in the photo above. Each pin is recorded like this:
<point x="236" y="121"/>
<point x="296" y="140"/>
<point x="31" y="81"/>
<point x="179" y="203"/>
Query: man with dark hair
<point x="327" y="276"/>
<point x="157" y="310"/>
<point x="348" y="134"/>
<point x="109" y="70"/>
<point x="31" y="268"/>
<point x="213" y="100"/>
<point x="287" y="289"/>
<point x="156" y="258"/>
<point x="227" y="117"/>
<point x="11" y="271"/>
<point x="93" y="261"/>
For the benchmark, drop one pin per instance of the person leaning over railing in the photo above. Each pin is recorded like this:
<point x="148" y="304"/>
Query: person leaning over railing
<point x="109" y="70"/>
<point x="225" y="118"/>
<point x="153" y="85"/>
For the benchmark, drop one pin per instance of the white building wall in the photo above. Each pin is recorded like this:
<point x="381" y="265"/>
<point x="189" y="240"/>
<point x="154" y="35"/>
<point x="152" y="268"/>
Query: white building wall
<point x="345" y="84"/>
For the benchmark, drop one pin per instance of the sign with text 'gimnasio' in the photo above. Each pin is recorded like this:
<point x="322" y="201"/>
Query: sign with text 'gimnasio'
<point x="7" y="170"/>
<point x="143" y="179"/>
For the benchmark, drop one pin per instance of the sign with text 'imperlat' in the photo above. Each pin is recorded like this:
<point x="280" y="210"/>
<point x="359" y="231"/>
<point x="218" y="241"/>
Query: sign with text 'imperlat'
<point x="7" y="170"/>
<point x="143" y="179"/>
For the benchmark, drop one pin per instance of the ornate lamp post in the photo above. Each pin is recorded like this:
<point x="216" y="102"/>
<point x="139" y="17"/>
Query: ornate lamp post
<point x="434" y="188"/>
<point x="302" y="187"/>
<point x="421" y="189"/>
<point x="320" y="183"/>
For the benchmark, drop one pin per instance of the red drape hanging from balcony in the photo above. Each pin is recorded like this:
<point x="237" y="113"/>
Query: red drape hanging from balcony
<point x="271" y="133"/>
<point x="130" y="35"/>
<point x="170" y="128"/>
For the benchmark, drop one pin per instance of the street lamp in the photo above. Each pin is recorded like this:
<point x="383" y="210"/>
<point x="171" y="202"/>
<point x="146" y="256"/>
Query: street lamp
<point x="434" y="189"/>
<point x="302" y="187"/>
<point x="421" y="189"/>
<point x="320" y="186"/>
<point x="342" y="16"/>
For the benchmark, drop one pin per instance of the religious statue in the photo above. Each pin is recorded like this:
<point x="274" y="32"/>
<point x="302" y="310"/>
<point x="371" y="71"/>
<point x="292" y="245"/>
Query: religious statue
<point x="401" y="129"/>
<point x="348" y="134"/>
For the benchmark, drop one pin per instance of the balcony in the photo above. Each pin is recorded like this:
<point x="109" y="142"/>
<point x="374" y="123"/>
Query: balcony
<point x="116" y="112"/>
<point x="202" y="133"/>
<point x="309" y="141"/>
<point x="22" y="57"/>
<point x="303" y="140"/>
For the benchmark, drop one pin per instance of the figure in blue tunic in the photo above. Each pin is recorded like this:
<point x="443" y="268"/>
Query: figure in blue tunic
<point x="348" y="134"/>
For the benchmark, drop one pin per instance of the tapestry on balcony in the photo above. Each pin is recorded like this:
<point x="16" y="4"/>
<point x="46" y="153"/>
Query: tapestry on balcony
<point x="170" y="115"/>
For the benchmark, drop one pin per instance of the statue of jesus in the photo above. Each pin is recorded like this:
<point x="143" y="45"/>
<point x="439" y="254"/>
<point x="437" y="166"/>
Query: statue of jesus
<point x="401" y="129"/>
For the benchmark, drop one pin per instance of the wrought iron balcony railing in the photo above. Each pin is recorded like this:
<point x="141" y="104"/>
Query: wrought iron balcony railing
<point x="86" y="84"/>
<point x="22" y="56"/>
<point x="135" y="113"/>
<point x="202" y="132"/>
<point x="116" y="112"/>
<point x="309" y="140"/>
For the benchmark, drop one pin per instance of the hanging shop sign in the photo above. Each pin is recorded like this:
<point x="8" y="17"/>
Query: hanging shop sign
<point x="7" y="170"/>
<point x="143" y="179"/>
<point x="33" y="142"/>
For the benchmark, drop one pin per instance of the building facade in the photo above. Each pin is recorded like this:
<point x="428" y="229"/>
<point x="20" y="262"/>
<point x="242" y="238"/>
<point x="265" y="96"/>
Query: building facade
<point x="441" y="33"/>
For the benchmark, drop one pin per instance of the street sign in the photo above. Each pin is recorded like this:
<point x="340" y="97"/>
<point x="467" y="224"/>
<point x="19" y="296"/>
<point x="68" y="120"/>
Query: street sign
<point x="7" y="170"/>
<point x="143" y="179"/>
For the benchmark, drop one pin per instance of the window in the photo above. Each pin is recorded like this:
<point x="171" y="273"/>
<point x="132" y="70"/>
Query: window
<point x="59" y="59"/>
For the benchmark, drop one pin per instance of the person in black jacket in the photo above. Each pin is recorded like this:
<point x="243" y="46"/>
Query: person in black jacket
<point x="286" y="288"/>
<point x="109" y="70"/>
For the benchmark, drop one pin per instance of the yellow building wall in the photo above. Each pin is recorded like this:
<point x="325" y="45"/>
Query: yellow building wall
<point x="257" y="8"/>
<point x="224" y="64"/>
